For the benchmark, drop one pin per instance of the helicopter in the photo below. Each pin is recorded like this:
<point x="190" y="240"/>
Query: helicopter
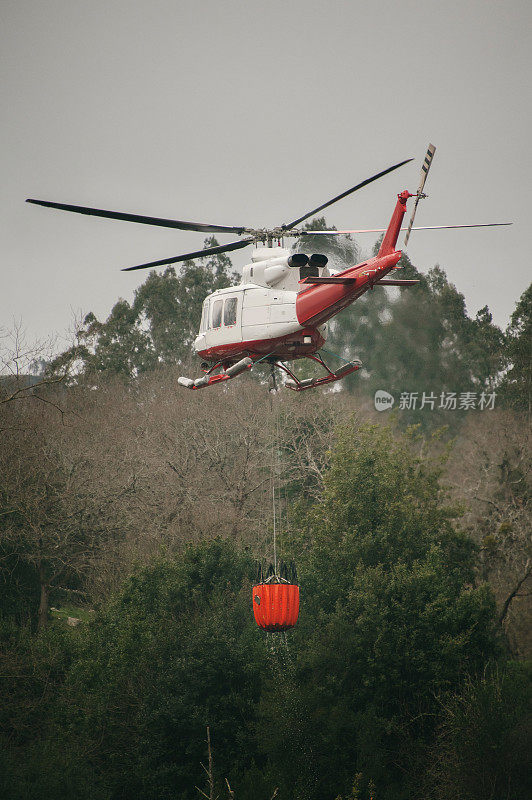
<point x="280" y="310"/>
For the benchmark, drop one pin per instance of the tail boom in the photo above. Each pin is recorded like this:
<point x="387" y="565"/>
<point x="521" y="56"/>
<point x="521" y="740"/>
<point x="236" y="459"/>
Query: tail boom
<point x="316" y="305"/>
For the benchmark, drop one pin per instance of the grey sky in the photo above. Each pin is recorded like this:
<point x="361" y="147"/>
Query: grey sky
<point x="251" y="113"/>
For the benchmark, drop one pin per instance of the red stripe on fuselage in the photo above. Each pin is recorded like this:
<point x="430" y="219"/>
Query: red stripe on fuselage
<point x="289" y="347"/>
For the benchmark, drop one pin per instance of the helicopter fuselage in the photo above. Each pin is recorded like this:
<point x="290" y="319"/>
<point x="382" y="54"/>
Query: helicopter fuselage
<point x="260" y="322"/>
<point x="280" y="310"/>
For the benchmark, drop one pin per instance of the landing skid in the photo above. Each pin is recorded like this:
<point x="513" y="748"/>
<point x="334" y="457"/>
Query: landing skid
<point x="310" y="383"/>
<point x="293" y="383"/>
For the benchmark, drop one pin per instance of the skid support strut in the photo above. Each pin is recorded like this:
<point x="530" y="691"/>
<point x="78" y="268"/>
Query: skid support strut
<point x="273" y="381"/>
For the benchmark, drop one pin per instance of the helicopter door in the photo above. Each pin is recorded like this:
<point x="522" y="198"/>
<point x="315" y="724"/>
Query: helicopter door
<point x="256" y="314"/>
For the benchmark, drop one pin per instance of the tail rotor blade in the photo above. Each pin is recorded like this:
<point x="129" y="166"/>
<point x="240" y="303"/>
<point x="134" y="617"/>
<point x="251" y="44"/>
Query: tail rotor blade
<point x="424" y="172"/>
<point x="426" y="166"/>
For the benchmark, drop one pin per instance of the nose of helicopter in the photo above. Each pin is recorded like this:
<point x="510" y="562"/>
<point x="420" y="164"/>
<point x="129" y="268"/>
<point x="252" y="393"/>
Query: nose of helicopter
<point x="199" y="342"/>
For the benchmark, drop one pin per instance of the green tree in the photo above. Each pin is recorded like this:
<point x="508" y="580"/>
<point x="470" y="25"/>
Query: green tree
<point x="390" y="619"/>
<point x="482" y="747"/>
<point x="159" y="327"/>
<point x="170" y="304"/>
<point x="516" y="386"/>
<point x="34" y="765"/>
<point x="175" y="651"/>
<point x="420" y="339"/>
<point x="117" y="346"/>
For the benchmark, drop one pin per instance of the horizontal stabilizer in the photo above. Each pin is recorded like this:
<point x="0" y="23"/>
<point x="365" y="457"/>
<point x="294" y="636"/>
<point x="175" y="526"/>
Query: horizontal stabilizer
<point x="330" y="279"/>
<point x="395" y="282"/>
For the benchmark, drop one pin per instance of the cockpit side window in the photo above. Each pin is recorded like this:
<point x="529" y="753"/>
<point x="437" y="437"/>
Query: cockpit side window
<point x="217" y="313"/>
<point x="230" y="309"/>
<point x="205" y="317"/>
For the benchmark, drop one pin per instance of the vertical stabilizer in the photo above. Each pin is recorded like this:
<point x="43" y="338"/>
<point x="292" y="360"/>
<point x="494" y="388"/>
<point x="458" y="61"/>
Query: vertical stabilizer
<point x="392" y="232"/>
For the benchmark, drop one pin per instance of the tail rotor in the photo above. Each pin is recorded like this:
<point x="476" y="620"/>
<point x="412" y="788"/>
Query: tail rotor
<point x="419" y="195"/>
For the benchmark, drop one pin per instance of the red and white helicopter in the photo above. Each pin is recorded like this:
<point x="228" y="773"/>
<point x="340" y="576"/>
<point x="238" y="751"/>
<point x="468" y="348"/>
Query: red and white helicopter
<point x="279" y="311"/>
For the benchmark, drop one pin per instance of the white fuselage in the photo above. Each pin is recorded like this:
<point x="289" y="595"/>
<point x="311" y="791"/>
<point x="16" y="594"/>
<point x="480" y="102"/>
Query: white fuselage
<point x="261" y="308"/>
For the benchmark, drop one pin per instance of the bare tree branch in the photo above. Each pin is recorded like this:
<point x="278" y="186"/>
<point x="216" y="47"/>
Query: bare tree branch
<point x="513" y="593"/>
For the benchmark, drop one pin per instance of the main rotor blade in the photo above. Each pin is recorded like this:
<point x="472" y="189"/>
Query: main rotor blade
<point x="422" y="228"/>
<point x="447" y="227"/>
<point x="429" y="155"/>
<point x="163" y="223"/>
<point x="344" y="194"/>
<point x="209" y="251"/>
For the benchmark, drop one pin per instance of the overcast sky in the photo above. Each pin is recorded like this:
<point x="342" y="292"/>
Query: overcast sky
<point x="251" y="113"/>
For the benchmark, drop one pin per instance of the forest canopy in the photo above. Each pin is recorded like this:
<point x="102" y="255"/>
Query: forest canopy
<point x="132" y="517"/>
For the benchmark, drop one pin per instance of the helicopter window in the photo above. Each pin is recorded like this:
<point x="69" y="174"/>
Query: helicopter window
<point x="205" y="317"/>
<point x="230" y="311"/>
<point x="217" y="314"/>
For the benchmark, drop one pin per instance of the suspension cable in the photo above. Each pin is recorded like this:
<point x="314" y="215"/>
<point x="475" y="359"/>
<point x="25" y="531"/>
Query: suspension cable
<point x="274" y="521"/>
<point x="276" y="496"/>
<point x="330" y="352"/>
